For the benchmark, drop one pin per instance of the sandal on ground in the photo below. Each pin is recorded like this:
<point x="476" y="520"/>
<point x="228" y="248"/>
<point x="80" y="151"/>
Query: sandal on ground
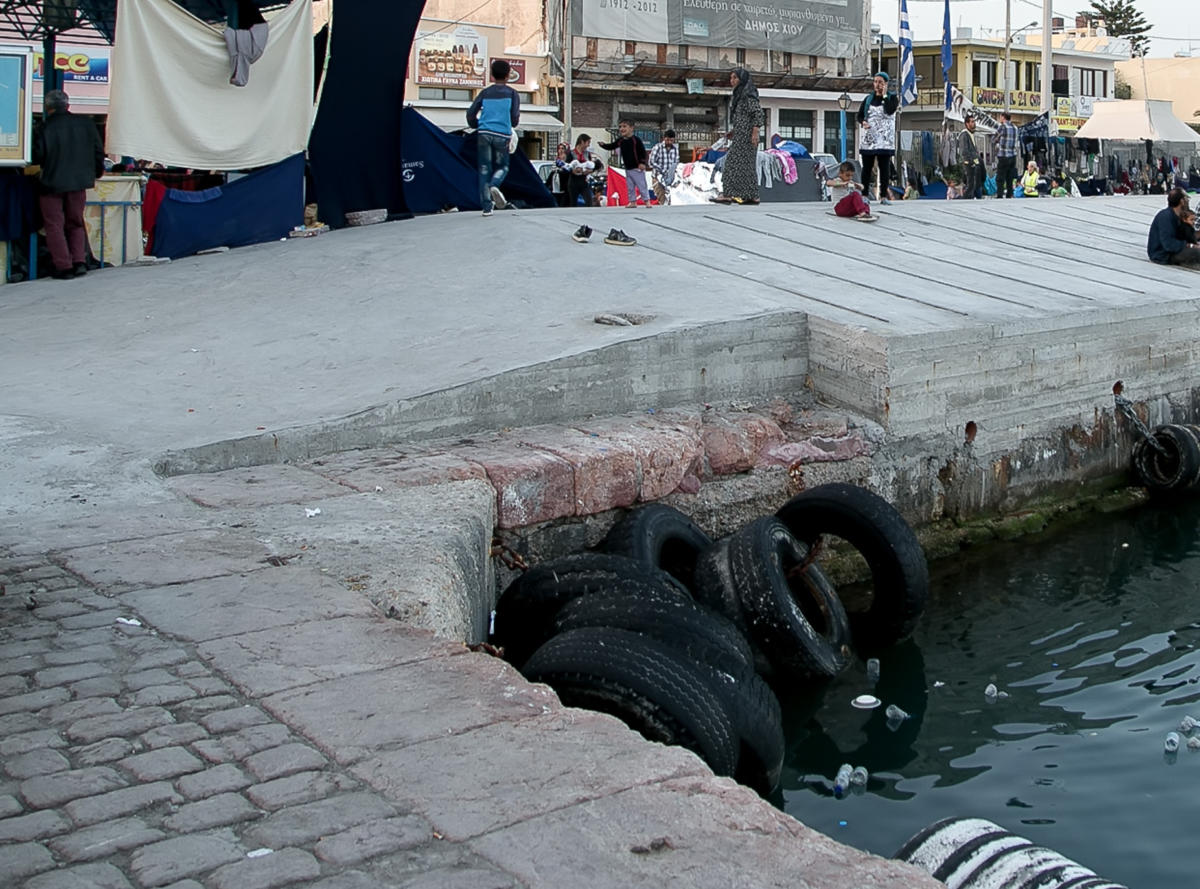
<point x="721" y="199"/>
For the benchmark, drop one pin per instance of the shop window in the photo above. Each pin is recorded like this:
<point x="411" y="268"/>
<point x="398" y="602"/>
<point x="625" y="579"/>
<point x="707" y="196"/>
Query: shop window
<point x="1033" y="77"/>
<point x="787" y="61"/>
<point x="812" y="64"/>
<point x="929" y="71"/>
<point x="841" y="67"/>
<point x="661" y="56"/>
<point x="1093" y="82"/>
<point x="630" y="47"/>
<point x="985" y="74"/>
<point x="833" y="133"/>
<point x="591" y="48"/>
<point x="741" y="56"/>
<point x="797" y="125"/>
<point x="436" y="92"/>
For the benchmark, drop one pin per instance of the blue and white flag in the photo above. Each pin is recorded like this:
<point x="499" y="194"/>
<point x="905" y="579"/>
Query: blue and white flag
<point x="908" y="71"/>
<point x="947" y="55"/>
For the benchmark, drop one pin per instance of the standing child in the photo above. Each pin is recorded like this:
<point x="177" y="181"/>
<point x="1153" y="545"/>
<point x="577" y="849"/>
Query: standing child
<point x="634" y="159"/>
<point x="851" y="204"/>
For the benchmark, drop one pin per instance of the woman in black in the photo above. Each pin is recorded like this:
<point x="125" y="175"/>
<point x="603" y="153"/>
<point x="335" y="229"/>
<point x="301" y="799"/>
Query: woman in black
<point x="739" y="177"/>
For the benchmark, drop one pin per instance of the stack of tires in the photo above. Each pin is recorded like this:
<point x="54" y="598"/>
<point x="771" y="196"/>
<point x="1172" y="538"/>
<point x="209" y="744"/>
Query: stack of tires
<point x="1168" y="462"/>
<point x="678" y="635"/>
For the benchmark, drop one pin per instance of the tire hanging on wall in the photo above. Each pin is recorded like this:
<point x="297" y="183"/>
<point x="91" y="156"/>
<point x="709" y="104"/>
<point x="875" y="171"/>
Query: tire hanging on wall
<point x="526" y="609"/>
<point x="1174" y="469"/>
<point x="899" y="573"/>
<point x="654" y="689"/>
<point x="713" y="642"/>
<point x="659" y="536"/>
<point x="793" y="614"/>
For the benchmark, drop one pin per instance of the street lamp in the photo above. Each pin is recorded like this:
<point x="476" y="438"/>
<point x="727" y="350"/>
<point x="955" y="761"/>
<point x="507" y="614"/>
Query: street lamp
<point x="844" y="106"/>
<point x="1009" y="34"/>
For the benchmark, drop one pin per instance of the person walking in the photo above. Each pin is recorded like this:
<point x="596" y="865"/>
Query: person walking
<point x="1007" y="142"/>
<point x="494" y="114"/>
<point x="1169" y="241"/>
<point x="739" y="178"/>
<point x="877" y="117"/>
<point x="67" y="148"/>
<point x="634" y="159"/>
<point x="561" y="174"/>
<point x="664" y="161"/>
<point x="972" y="164"/>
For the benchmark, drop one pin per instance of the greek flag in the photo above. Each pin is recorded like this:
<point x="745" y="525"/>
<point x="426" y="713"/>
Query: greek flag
<point x="908" y="71"/>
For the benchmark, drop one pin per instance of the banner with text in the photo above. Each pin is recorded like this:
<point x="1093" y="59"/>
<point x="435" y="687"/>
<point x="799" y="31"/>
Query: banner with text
<point x="830" y="28"/>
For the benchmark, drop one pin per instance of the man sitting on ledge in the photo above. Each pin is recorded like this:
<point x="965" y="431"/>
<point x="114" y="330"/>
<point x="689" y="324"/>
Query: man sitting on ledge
<point x="1172" y="241"/>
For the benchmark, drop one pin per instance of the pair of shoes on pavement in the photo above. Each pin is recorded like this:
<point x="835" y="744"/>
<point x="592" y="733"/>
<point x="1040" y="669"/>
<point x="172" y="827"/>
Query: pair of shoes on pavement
<point x="615" y="237"/>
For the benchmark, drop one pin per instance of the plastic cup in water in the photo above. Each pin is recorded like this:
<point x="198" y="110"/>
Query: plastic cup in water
<point x="1187" y="724"/>
<point x="894" y="712"/>
<point x="1171" y="742"/>
<point x="858" y="776"/>
<point x="991" y="691"/>
<point x="872" y="670"/>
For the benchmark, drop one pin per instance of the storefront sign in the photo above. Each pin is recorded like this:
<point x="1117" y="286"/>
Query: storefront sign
<point x="456" y="56"/>
<point x="516" y="70"/>
<point x="1063" y="106"/>
<point x="80" y="65"/>
<point x="832" y="28"/>
<point x="1069" y="124"/>
<point x="16" y="105"/>
<point x="1020" y="100"/>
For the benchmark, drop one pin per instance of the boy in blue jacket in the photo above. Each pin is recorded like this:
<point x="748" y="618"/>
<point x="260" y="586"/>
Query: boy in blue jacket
<point x="494" y="115"/>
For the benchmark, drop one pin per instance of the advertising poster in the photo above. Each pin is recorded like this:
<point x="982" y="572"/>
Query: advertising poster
<point x="831" y="28"/>
<point x="455" y="57"/>
<point x="16" y="108"/>
<point x="80" y="65"/>
<point x="516" y="70"/>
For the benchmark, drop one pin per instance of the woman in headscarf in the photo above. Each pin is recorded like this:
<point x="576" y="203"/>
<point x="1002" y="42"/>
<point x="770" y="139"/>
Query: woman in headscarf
<point x="877" y="117"/>
<point x="561" y="174"/>
<point x="739" y="178"/>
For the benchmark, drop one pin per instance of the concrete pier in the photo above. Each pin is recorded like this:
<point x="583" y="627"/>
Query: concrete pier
<point x="168" y="434"/>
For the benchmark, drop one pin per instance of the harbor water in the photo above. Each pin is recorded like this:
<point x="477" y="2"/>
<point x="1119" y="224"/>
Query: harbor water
<point x="1090" y="637"/>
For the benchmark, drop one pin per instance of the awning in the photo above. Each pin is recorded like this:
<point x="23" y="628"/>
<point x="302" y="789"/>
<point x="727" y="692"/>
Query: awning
<point x="454" y="119"/>
<point x="1137" y="120"/>
<point x="539" y="121"/>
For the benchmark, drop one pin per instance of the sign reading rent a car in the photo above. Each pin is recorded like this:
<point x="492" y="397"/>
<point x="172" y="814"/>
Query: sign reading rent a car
<point x="829" y="28"/>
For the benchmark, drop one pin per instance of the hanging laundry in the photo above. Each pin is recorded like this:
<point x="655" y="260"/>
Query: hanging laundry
<point x="246" y="34"/>
<point x="171" y="100"/>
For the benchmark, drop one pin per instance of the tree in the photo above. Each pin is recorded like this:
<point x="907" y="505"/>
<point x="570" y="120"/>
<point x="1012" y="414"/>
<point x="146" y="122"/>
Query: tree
<point x="1122" y="19"/>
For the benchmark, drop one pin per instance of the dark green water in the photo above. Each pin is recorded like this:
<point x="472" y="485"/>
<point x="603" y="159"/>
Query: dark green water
<point x="1093" y="634"/>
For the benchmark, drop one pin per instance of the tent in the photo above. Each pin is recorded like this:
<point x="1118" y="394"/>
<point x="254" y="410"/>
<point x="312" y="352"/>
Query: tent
<point x="1137" y="120"/>
<point x="438" y="169"/>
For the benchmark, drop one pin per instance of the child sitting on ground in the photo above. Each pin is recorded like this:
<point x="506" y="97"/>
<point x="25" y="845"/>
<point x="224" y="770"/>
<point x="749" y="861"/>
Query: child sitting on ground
<point x="953" y="192"/>
<point x="1057" y="191"/>
<point x="851" y="204"/>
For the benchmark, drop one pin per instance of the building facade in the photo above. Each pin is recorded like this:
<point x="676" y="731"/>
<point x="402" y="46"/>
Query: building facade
<point x="1177" y="80"/>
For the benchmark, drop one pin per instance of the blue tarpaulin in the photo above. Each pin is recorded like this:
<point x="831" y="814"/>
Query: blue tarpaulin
<point x="263" y="206"/>
<point x="438" y="170"/>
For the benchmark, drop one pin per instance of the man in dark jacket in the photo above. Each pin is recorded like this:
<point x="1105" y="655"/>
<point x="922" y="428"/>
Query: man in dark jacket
<point x="1169" y="242"/>
<point x="68" y="150"/>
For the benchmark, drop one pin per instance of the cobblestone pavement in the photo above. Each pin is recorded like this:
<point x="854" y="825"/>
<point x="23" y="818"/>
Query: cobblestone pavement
<point x="129" y="762"/>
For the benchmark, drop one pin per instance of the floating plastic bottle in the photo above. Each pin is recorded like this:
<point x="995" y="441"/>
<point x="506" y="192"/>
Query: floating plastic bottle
<point x="1171" y="742"/>
<point x="894" y="712"/>
<point x="1187" y="724"/>
<point x="841" y="783"/>
<point x="872" y="670"/>
<point x="858" y="777"/>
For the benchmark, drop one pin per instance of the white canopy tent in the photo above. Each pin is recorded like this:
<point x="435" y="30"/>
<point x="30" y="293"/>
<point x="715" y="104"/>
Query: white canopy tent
<point x="1137" y="120"/>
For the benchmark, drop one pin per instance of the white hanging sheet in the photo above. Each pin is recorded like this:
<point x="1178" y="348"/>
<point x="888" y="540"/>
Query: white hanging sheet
<point x="171" y="100"/>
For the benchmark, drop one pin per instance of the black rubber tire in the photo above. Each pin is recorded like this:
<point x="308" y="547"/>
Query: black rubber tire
<point x="899" y="572"/>
<point x="660" y="536"/>
<point x="654" y="689"/>
<point x="713" y="642"/>
<point x="526" y="610"/>
<point x="714" y="586"/>
<point x="793" y="614"/>
<point x="677" y="621"/>
<point x="1175" y="471"/>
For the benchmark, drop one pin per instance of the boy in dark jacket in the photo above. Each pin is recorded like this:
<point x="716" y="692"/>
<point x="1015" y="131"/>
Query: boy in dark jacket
<point x="68" y="150"/>
<point x="634" y="159"/>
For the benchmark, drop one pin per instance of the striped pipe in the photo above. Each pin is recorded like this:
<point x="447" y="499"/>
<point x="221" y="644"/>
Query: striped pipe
<point x="971" y="853"/>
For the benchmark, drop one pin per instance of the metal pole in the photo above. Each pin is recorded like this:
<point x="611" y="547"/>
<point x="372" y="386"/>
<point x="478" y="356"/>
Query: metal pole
<point x="843" y="113"/>
<point x="568" y="64"/>
<point x="1007" y="51"/>
<point x="1047" y="66"/>
<point x="49" y="71"/>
